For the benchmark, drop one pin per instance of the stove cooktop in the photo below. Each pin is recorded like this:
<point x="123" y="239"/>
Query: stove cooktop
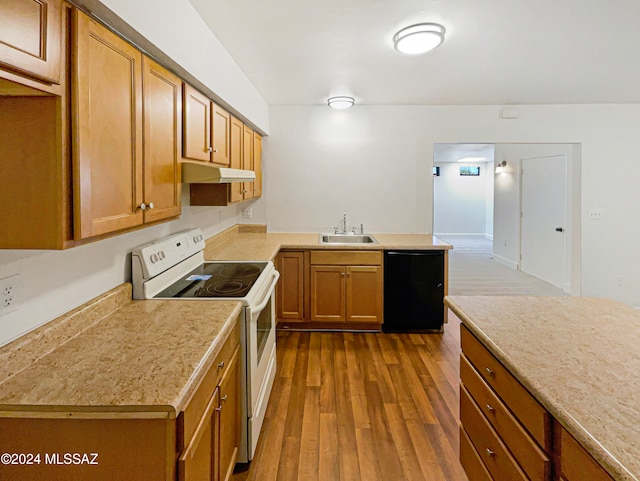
<point x="216" y="280"/>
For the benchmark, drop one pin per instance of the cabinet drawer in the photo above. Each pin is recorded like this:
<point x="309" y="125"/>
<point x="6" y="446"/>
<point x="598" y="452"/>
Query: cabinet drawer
<point x="196" y="462"/>
<point x="529" y="456"/>
<point x="575" y="463"/>
<point x="347" y="258"/>
<point x="197" y="404"/>
<point x="529" y="412"/>
<point x="471" y="461"/>
<point x="491" y="450"/>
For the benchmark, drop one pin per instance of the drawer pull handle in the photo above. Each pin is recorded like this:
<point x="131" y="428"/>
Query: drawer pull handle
<point x="490" y="453"/>
<point x="489" y="371"/>
<point x="221" y="365"/>
<point x="490" y="408"/>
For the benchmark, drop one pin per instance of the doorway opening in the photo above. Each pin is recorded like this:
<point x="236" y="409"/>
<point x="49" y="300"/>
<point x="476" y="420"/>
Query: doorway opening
<point x="524" y="210"/>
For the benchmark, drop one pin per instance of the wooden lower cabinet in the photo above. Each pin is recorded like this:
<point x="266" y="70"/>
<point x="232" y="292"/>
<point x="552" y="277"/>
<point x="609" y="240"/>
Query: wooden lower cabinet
<point x="291" y="290"/>
<point x="330" y="289"/>
<point x="210" y="424"/>
<point x="575" y="463"/>
<point x="505" y="434"/>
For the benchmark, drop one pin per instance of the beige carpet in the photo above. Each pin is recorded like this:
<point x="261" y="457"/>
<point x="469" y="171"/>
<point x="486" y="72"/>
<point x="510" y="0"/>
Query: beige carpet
<point x="474" y="272"/>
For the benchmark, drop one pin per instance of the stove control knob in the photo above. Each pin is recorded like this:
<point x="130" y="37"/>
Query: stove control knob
<point x="154" y="258"/>
<point x="161" y="255"/>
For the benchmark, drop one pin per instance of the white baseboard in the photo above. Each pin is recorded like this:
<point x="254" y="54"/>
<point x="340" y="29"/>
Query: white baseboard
<point x="506" y="262"/>
<point x="466" y="234"/>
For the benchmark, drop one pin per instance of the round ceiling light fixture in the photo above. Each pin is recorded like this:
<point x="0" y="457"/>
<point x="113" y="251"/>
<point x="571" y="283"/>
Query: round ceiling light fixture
<point x="340" y="102"/>
<point x="419" y="38"/>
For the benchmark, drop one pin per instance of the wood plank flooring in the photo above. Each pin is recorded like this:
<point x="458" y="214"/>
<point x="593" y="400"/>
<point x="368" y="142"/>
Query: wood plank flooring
<point x="362" y="407"/>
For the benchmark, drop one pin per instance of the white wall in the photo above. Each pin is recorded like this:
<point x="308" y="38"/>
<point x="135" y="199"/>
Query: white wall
<point x="460" y="202"/>
<point x="376" y="162"/>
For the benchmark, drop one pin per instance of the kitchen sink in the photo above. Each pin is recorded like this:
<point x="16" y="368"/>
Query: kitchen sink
<point x="348" y="239"/>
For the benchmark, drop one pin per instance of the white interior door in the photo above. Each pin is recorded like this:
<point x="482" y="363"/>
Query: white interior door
<point x="543" y="218"/>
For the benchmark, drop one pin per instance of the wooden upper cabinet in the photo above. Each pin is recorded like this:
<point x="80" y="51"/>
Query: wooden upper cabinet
<point x="247" y="160"/>
<point x="162" y="115"/>
<point x="107" y="121"/>
<point x="257" y="164"/>
<point x="236" y="189"/>
<point x="196" y="125"/>
<point x="221" y="123"/>
<point x="30" y="38"/>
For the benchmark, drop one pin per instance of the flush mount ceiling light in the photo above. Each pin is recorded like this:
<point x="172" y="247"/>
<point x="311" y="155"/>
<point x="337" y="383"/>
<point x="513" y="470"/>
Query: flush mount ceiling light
<point x="419" y="38"/>
<point x="340" y="102"/>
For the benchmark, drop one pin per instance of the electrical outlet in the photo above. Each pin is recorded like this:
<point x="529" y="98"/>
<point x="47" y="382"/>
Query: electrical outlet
<point x="247" y="213"/>
<point x="595" y="214"/>
<point x="9" y="290"/>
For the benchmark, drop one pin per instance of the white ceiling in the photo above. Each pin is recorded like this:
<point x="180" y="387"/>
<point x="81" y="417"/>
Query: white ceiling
<point x="496" y="51"/>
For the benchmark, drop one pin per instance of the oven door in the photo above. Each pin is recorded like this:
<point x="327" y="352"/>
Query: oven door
<point x="261" y="359"/>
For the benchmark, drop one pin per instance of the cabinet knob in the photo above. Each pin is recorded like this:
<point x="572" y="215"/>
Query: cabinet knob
<point x="218" y="409"/>
<point x="489" y="372"/>
<point x="224" y="398"/>
<point x="221" y="365"/>
<point x="215" y="151"/>
<point x="150" y="205"/>
<point x="342" y="274"/>
<point x="142" y="206"/>
<point x="490" y="453"/>
<point x="490" y="408"/>
<point x="209" y="149"/>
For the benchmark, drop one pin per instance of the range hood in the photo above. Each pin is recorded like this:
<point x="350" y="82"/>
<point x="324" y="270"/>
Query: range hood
<point x="207" y="173"/>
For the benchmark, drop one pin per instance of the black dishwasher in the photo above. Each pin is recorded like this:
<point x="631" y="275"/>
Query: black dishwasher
<point x="413" y="291"/>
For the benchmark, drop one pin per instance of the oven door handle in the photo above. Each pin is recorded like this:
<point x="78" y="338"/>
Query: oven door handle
<point x="269" y="291"/>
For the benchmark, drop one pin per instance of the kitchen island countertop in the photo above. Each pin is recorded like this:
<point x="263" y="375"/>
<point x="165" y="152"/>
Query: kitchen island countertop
<point x="579" y="357"/>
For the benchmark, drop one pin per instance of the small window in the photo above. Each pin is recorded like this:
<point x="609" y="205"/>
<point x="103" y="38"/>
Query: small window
<point x="467" y="170"/>
<point x="436" y="170"/>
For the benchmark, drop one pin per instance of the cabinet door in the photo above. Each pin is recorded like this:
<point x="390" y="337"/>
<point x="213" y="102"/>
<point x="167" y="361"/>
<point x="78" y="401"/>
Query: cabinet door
<point x="236" y="189"/>
<point x="327" y="293"/>
<point x="257" y="164"/>
<point x="30" y="36"/>
<point x="107" y="125"/>
<point x="290" y="288"/>
<point x="229" y="440"/>
<point x="197" y="462"/>
<point x="196" y="128"/>
<point x="221" y="136"/>
<point x="247" y="160"/>
<point x="364" y="294"/>
<point x="162" y="113"/>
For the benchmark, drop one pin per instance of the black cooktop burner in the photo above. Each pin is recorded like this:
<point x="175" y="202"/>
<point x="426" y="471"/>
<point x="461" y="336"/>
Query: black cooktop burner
<point x="216" y="279"/>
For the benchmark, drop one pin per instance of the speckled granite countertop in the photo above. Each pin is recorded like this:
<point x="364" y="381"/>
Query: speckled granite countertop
<point x="265" y="246"/>
<point x="114" y="353"/>
<point x="579" y="357"/>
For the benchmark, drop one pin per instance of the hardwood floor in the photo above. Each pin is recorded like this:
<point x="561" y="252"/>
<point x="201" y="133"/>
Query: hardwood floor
<point x="362" y="407"/>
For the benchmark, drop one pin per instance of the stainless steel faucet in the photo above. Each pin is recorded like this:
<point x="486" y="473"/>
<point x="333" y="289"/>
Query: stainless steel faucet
<point x="342" y="225"/>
